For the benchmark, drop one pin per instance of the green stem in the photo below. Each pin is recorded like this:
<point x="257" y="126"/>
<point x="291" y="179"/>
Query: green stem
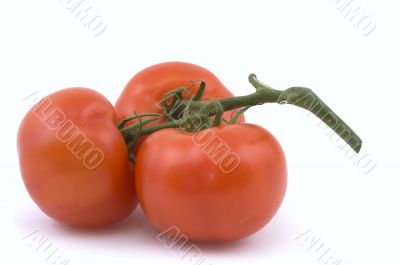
<point x="299" y="96"/>
<point x="305" y="98"/>
<point x="130" y="134"/>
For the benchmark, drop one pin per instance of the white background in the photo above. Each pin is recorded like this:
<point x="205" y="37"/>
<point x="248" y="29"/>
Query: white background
<point x="44" y="47"/>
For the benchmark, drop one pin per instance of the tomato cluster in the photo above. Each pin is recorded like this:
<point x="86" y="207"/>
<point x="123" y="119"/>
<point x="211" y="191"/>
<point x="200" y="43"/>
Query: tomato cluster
<point x="219" y="183"/>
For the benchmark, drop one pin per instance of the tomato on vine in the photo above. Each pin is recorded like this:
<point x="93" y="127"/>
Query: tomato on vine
<point x="146" y="89"/>
<point x="218" y="184"/>
<point x="195" y="164"/>
<point x="74" y="161"/>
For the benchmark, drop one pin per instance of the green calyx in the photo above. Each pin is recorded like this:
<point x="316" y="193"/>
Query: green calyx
<point x="192" y="112"/>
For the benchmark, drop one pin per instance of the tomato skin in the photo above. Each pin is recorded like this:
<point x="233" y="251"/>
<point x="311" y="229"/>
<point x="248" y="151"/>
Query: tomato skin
<point x="64" y="178"/>
<point x="146" y="89"/>
<point x="178" y="184"/>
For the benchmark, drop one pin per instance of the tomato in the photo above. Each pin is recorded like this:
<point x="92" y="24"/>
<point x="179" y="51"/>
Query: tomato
<point x="73" y="159"/>
<point x="146" y="89"/>
<point x="218" y="184"/>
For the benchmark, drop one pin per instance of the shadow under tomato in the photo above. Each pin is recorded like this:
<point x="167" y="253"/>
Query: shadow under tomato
<point x="136" y="233"/>
<point x="125" y="233"/>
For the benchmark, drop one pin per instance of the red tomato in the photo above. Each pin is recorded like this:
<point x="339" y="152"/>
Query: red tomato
<point x="218" y="184"/>
<point x="146" y="89"/>
<point x="74" y="161"/>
